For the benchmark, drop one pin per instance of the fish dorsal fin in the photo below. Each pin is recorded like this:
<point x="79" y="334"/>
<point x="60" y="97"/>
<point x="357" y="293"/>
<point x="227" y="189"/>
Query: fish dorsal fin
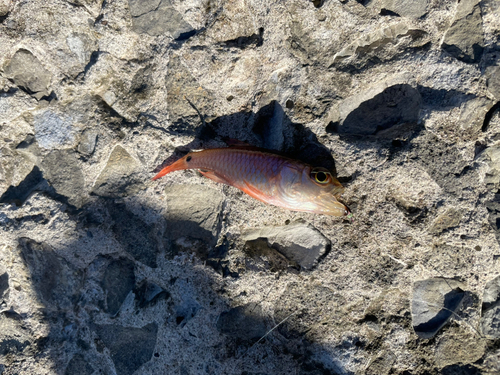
<point x="232" y="142"/>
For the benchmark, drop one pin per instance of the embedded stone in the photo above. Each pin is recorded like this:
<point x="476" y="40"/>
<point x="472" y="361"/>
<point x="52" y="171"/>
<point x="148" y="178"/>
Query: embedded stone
<point x="434" y="302"/>
<point x="301" y="243"/>
<point x="464" y="40"/>
<point x="28" y="72"/>
<point x="490" y="315"/>
<point x="120" y="177"/>
<point x="157" y="17"/>
<point x="129" y="347"/>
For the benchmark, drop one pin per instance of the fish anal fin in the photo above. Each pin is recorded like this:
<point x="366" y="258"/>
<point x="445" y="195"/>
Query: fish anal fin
<point x="214" y="177"/>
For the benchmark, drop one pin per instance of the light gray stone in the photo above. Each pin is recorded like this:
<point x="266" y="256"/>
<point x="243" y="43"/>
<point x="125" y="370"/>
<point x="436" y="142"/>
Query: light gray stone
<point x="155" y="17"/>
<point x="120" y="177"/>
<point x="28" y="72"/>
<point x="87" y="142"/>
<point x="53" y="130"/>
<point x="464" y="40"/>
<point x="383" y="44"/>
<point x="449" y="219"/>
<point x="411" y="9"/>
<point x="472" y="115"/>
<point x="82" y="45"/>
<point x="181" y="84"/>
<point x="5" y="6"/>
<point x="492" y="176"/>
<point x="493" y="80"/>
<point x="490" y="319"/>
<point x="434" y="302"/>
<point x="299" y="242"/>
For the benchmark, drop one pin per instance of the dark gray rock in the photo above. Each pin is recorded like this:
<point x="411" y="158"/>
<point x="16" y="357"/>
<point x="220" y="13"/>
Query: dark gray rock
<point x="62" y="170"/>
<point x="14" y="336"/>
<point x="490" y="320"/>
<point x="493" y="208"/>
<point x="186" y="310"/>
<point x="78" y="366"/>
<point x="28" y="73"/>
<point x="411" y="9"/>
<point x="87" y="142"/>
<point x="444" y="164"/>
<point x="139" y="239"/>
<point x="117" y="283"/>
<point x="376" y="109"/>
<point x="194" y="211"/>
<point x="120" y="177"/>
<point x="434" y="302"/>
<point x="301" y="243"/>
<point x="129" y="347"/>
<point x="56" y="282"/>
<point x="458" y="369"/>
<point x="148" y="294"/>
<point x="464" y="40"/>
<point x="157" y="17"/>
<point x="245" y="322"/>
<point x="4" y="288"/>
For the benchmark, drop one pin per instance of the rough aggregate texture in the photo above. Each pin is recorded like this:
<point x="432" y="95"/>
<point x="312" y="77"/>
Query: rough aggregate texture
<point x="103" y="271"/>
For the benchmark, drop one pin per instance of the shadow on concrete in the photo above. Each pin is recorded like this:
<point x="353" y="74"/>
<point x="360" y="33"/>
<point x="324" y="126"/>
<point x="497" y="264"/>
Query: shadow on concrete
<point x="269" y="128"/>
<point x="117" y="300"/>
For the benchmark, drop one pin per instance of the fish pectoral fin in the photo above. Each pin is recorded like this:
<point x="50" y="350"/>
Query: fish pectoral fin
<point x="255" y="193"/>
<point x="214" y="177"/>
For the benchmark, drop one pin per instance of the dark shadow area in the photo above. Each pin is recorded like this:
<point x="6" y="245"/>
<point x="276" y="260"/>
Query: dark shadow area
<point x="442" y="99"/>
<point x="243" y="42"/>
<point x="270" y="128"/>
<point x="86" y="306"/>
<point x="86" y="299"/>
<point x="489" y="115"/>
<point x="4" y="17"/>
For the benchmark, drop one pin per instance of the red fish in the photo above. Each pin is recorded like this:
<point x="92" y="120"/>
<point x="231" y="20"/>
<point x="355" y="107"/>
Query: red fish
<point x="268" y="177"/>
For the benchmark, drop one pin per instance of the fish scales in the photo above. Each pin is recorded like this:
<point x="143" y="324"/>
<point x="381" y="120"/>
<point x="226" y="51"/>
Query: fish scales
<point x="268" y="177"/>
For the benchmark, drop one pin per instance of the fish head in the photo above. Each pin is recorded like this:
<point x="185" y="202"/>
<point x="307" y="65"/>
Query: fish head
<point x="315" y="190"/>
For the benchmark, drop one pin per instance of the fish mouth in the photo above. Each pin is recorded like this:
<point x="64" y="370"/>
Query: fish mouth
<point x="329" y="205"/>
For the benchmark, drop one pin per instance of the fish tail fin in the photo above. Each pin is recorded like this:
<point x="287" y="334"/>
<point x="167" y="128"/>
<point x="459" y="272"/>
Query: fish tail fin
<point x="175" y="166"/>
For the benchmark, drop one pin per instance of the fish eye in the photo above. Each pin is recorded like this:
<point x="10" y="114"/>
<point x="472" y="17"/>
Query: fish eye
<point x="320" y="177"/>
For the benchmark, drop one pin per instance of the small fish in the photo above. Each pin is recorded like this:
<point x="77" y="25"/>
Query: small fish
<point x="268" y="177"/>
